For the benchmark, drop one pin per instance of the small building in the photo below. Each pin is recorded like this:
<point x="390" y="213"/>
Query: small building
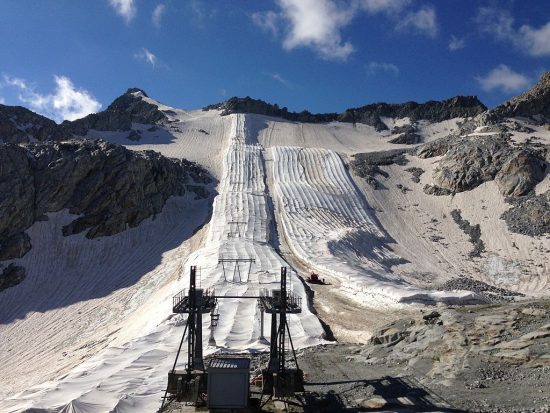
<point x="228" y="383"/>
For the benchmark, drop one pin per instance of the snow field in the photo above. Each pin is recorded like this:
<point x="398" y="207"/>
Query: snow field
<point x="130" y="376"/>
<point x="328" y="225"/>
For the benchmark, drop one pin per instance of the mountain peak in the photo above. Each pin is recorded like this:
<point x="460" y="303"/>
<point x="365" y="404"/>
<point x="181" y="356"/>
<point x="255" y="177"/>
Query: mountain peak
<point x="534" y="102"/>
<point x="136" y="91"/>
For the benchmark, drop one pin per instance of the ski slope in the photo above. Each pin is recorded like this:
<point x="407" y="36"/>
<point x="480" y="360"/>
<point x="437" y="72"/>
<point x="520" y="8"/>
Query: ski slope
<point x="131" y="376"/>
<point x="91" y="330"/>
<point x="328" y="225"/>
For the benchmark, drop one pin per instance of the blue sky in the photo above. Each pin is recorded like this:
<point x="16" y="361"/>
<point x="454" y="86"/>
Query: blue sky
<point x="66" y="58"/>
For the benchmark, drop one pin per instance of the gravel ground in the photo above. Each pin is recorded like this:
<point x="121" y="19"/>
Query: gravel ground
<point x="489" y="358"/>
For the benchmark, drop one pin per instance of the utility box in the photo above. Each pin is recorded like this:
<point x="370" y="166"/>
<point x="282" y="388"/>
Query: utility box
<point x="228" y="383"/>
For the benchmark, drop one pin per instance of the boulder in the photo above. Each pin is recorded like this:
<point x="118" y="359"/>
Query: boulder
<point x="15" y="246"/>
<point x="520" y="173"/>
<point x="11" y="276"/>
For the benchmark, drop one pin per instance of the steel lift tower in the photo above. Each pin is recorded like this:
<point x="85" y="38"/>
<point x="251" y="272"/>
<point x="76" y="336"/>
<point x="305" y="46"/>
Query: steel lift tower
<point x="278" y="379"/>
<point x="189" y="384"/>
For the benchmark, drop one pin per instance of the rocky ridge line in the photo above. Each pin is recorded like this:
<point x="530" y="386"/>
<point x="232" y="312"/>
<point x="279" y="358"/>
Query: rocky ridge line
<point x="433" y="111"/>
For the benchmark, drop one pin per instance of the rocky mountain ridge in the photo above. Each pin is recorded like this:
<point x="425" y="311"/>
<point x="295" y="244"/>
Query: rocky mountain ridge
<point x="534" y="104"/>
<point x="434" y="111"/>
<point x="108" y="186"/>
<point x="21" y="125"/>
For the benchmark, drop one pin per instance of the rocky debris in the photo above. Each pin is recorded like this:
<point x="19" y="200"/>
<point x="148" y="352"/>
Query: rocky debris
<point x="11" y="276"/>
<point x="490" y="292"/>
<point x="367" y="165"/>
<point x="518" y="127"/>
<point x="520" y="173"/>
<point x="407" y="135"/>
<point x="126" y="109"/>
<point x="391" y="334"/>
<point x="432" y="318"/>
<point x="436" y="190"/>
<point x="434" y="111"/>
<point x="534" y="104"/>
<point x="496" y="347"/>
<point x="20" y="125"/>
<point x="15" y="246"/>
<point x="473" y="231"/>
<point x="529" y="215"/>
<point x="403" y="188"/>
<point x="416" y="173"/>
<point x="109" y="186"/>
<point x="439" y="147"/>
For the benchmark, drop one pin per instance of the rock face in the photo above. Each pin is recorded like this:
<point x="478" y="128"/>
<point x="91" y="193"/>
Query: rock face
<point x="434" y="111"/>
<point x="471" y="162"/>
<point x="111" y="187"/>
<point x="407" y="135"/>
<point x="11" y="276"/>
<point x="520" y="173"/>
<point x="467" y="162"/>
<point x="258" y="106"/>
<point x="119" y="116"/>
<point x="533" y="103"/>
<point x="367" y="165"/>
<point x="20" y="125"/>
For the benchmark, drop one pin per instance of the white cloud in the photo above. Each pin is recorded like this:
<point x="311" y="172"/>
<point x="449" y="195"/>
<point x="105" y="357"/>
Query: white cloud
<point x="383" y="6"/>
<point x="16" y="82"/>
<point x="158" y="12"/>
<point x="537" y="41"/>
<point x="456" y="43"/>
<point x="267" y="21"/>
<point x="146" y="56"/>
<point x="496" y="22"/>
<point x="504" y="79"/>
<point x="316" y="24"/>
<point x="67" y="102"/>
<point x="278" y="78"/>
<point x="2" y="101"/>
<point x="373" y="68"/>
<point x="423" y="21"/>
<point x="124" y="8"/>
<point x="499" y="23"/>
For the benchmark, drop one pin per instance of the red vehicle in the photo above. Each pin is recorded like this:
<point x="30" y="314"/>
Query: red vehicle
<point x="314" y="278"/>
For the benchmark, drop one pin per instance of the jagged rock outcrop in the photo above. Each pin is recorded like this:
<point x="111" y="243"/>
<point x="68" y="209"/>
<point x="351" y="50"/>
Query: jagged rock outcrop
<point x="260" y="107"/>
<point x="109" y="186"/>
<point x="434" y="111"/>
<point x="471" y="162"/>
<point x="467" y="162"/>
<point x="520" y="173"/>
<point x="11" y="276"/>
<point x="367" y="165"/>
<point x="535" y="104"/>
<point x="407" y="135"/>
<point x="20" y="125"/>
<point x="119" y="116"/>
